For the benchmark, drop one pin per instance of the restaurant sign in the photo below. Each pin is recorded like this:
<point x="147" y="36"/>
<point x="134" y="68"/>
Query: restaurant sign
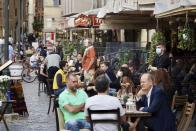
<point x="83" y="21"/>
<point x="95" y="21"/>
<point x="87" y="21"/>
<point x="162" y="6"/>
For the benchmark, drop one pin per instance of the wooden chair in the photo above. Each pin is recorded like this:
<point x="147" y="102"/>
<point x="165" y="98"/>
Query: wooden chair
<point x="193" y="90"/>
<point x="178" y="101"/>
<point x="186" y="117"/>
<point x="193" y="93"/>
<point x="104" y="117"/>
<point x="60" y="119"/>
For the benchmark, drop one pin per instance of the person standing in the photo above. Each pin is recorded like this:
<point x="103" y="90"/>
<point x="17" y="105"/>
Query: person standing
<point x="89" y="58"/>
<point x="162" y="59"/>
<point x="11" y="51"/>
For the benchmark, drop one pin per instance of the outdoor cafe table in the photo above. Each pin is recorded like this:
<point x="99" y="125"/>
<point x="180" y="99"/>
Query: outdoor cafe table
<point x="137" y="115"/>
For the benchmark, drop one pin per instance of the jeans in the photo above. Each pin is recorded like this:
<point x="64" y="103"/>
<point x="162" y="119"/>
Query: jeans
<point x="112" y="92"/>
<point x="76" y="125"/>
<point x="58" y="91"/>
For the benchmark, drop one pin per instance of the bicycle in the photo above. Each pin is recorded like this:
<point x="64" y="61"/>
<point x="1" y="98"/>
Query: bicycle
<point x="29" y="74"/>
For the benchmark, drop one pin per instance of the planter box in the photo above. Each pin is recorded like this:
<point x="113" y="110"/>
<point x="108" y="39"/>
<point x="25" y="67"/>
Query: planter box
<point x="15" y="69"/>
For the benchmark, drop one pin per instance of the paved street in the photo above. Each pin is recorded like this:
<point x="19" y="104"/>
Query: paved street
<point x="38" y="119"/>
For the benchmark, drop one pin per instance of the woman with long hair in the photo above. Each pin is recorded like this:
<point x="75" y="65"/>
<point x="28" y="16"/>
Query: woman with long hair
<point x="162" y="80"/>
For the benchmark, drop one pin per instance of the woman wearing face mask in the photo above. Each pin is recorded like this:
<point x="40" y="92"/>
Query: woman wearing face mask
<point x="162" y="59"/>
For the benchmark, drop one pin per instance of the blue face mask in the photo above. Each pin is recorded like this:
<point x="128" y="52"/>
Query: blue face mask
<point x="158" y="51"/>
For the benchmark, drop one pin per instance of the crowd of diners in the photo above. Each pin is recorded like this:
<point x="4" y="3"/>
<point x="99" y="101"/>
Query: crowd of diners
<point x="154" y="88"/>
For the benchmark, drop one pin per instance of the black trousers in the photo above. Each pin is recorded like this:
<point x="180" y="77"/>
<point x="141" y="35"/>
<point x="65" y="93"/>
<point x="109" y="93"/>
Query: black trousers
<point x="51" y="71"/>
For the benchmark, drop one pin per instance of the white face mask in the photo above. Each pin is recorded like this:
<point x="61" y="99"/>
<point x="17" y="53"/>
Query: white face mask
<point x="158" y="51"/>
<point x="119" y="74"/>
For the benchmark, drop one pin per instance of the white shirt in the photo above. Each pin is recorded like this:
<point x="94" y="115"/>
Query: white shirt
<point x="11" y="52"/>
<point x="33" y="59"/>
<point x="148" y="96"/>
<point x="53" y="60"/>
<point x="103" y="102"/>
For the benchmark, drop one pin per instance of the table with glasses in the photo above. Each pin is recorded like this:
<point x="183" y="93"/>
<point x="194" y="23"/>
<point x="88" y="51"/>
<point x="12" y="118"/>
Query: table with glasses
<point x="137" y="114"/>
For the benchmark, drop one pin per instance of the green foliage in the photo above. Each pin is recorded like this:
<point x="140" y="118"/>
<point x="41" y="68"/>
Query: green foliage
<point x="157" y="37"/>
<point x="70" y="47"/>
<point x="125" y="56"/>
<point x="186" y="41"/>
<point x="37" y="25"/>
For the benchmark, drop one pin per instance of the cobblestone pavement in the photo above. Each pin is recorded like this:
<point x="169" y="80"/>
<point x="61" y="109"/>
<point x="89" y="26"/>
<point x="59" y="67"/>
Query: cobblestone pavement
<point x="38" y="120"/>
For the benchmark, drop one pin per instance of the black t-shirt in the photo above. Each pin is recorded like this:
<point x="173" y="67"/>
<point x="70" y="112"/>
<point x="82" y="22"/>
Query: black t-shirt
<point x="43" y="53"/>
<point x="78" y="66"/>
<point x="162" y="61"/>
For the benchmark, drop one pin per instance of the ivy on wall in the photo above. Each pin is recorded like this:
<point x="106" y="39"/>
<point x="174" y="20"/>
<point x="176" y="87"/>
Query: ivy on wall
<point x="186" y="40"/>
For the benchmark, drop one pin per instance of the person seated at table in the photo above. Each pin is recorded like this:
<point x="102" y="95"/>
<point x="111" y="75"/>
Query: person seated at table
<point x="114" y="82"/>
<point x="154" y="100"/>
<point x="90" y="89"/>
<point x="59" y="83"/>
<point x="162" y="80"/>
<point x="78" y="64"/>
<point x="71" y="103"/>
<point x="42" y="75"/>
<point x="103" y="101"/>
<point x="126" y="87"/>
<point x="33" y="60"/>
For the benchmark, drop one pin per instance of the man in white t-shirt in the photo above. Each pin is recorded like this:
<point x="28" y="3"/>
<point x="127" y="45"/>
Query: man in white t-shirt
<point x="53" y="59"/>
<point x="103" y="101"/>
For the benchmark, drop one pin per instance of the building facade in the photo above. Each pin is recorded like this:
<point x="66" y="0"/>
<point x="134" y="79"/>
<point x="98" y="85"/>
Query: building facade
<point x="52" y="17"/>
<point x="18" y="15"/>
<point x="31" y="15"/>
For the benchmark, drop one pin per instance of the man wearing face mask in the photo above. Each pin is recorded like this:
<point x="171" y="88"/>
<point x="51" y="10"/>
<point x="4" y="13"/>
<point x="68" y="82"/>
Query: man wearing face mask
<point x="162" y="59"/>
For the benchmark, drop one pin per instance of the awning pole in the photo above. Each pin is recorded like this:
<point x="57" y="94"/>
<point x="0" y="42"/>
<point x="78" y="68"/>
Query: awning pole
<point x="157" y="26"/>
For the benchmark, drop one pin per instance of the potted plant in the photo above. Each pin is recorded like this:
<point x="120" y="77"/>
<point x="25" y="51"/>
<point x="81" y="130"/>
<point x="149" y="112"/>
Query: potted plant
<point x="185" y="37"/>
<point x="4" y="83"/>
